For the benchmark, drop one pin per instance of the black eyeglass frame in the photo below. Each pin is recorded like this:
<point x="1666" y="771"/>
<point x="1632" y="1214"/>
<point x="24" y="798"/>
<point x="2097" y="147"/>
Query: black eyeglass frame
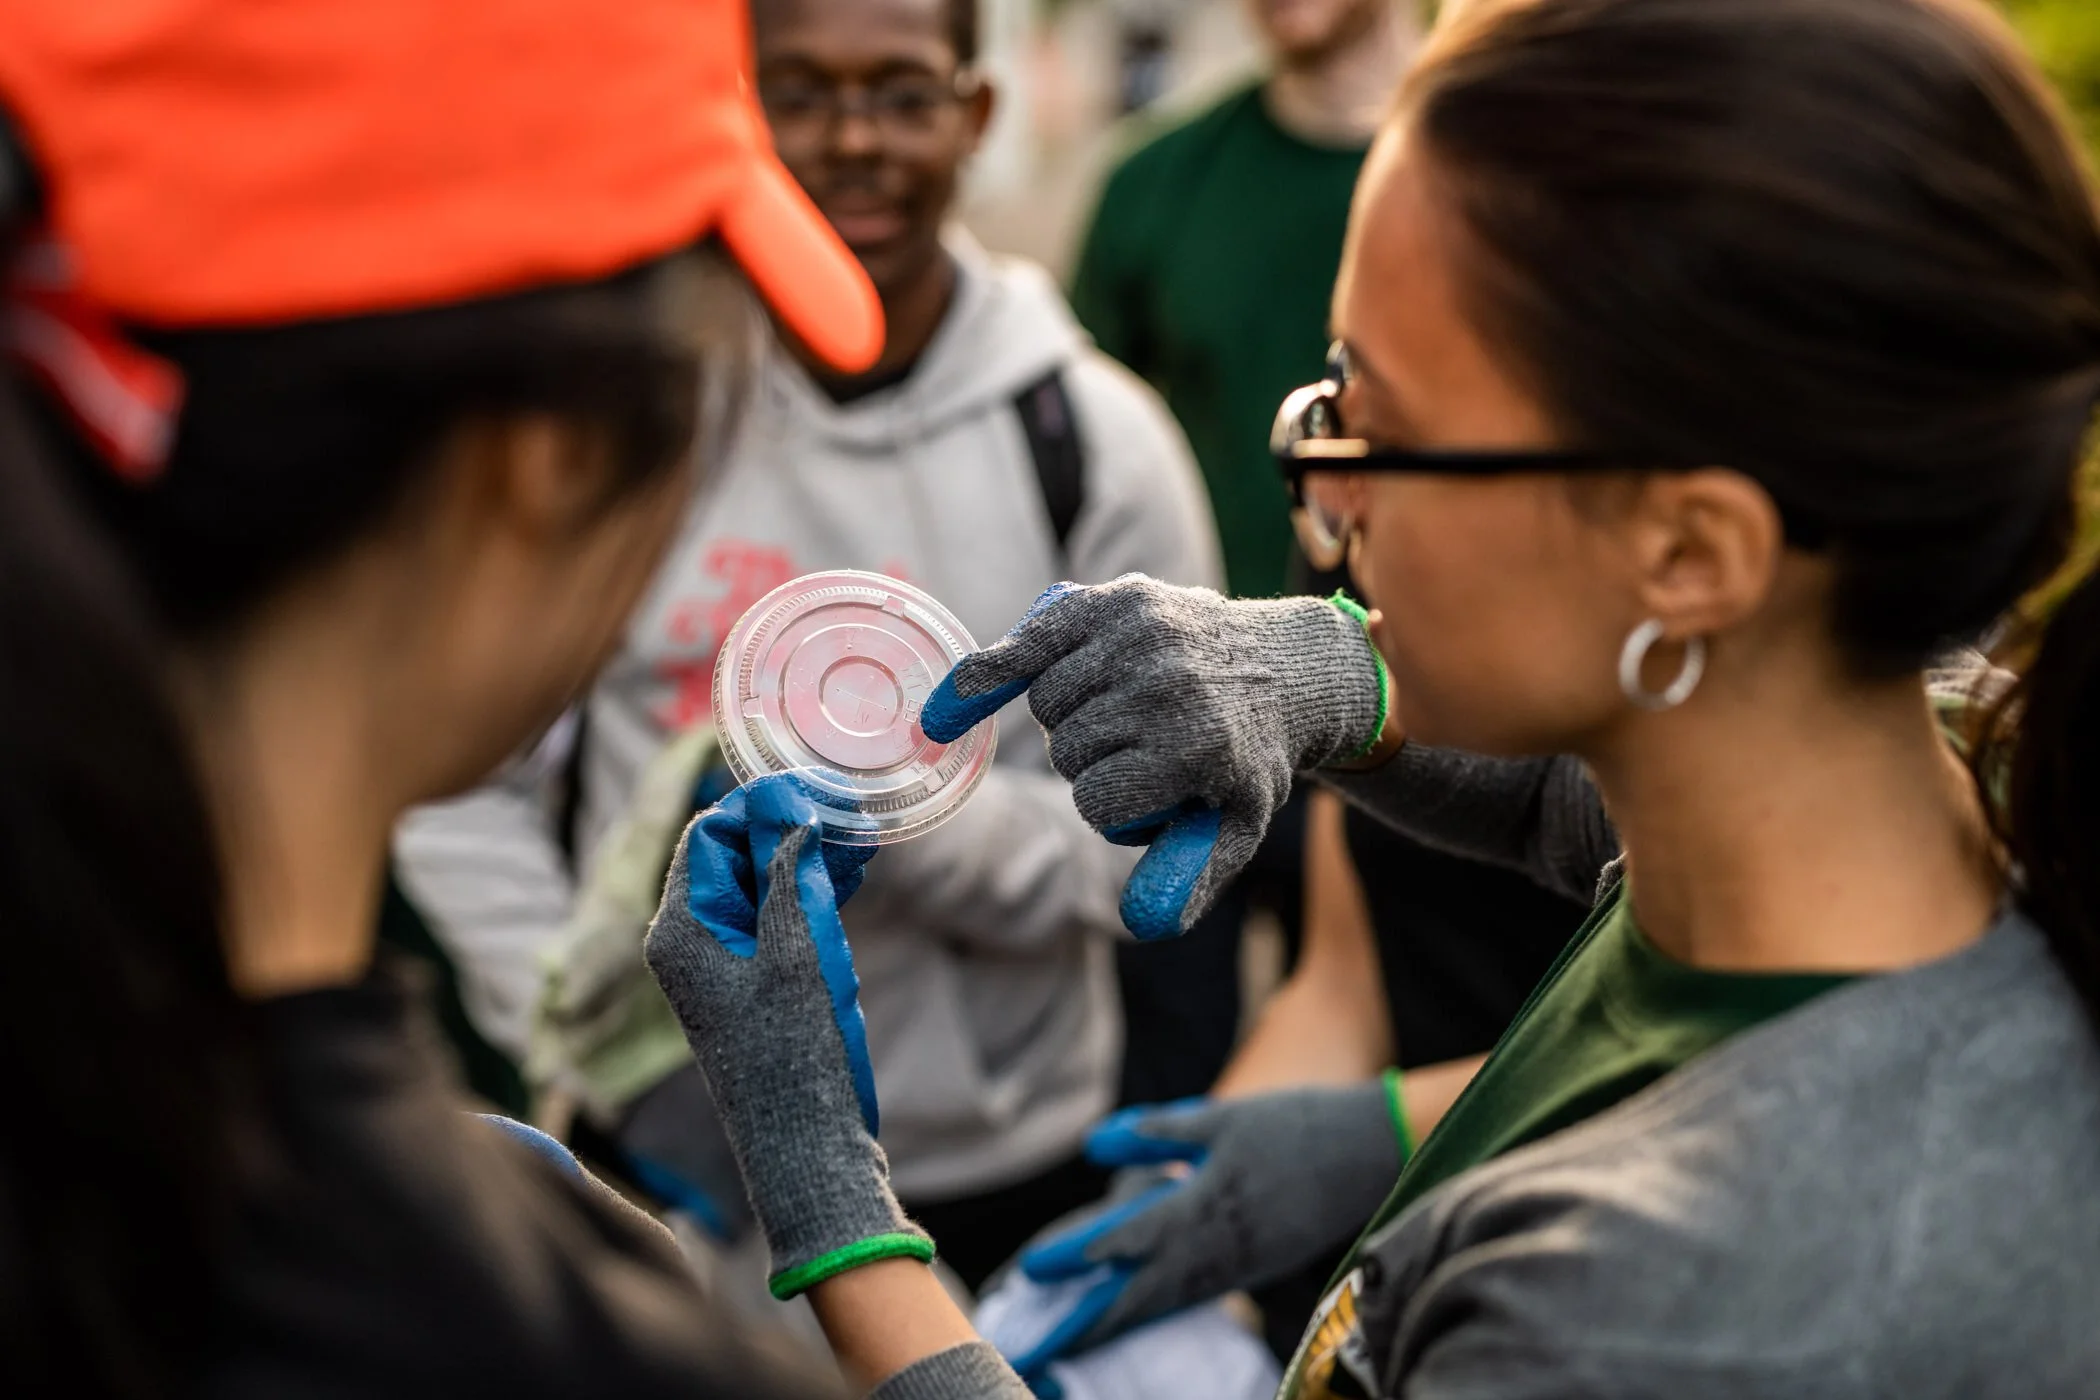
<point x="1301" y="442"/>
<point x="1298" y="445"/>
<point x="958" y="88"/>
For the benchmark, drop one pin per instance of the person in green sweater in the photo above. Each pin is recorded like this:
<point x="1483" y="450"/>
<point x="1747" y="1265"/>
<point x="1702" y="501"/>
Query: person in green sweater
<point x="1212" y="255"/>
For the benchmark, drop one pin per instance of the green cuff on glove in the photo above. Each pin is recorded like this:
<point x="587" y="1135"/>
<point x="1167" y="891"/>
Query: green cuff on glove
<point x="1396" y="1104"/>
<point x="792" y="1283"/>
<point x="1349" y="607"/>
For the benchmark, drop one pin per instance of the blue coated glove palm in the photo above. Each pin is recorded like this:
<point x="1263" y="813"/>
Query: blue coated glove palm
<point x="750" y="952"/>
<point x="1180" y="718"/>
<point x="1262" y="1187"/>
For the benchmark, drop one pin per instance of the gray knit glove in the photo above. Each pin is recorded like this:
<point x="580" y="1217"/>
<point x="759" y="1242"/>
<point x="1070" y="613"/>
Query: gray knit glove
<point x="750" y="952"/>
<point x="1270" y="1184"/>
<point x="1180" y="718"/>
<point x="972" y="1371"/>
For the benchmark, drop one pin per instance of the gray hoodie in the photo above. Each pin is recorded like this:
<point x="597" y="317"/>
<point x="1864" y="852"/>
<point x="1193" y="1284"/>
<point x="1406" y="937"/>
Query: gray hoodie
<point x="984" y="947"/>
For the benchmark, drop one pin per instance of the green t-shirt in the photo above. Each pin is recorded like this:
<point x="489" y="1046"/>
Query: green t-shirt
<point x="1612" y="1016"/>
<point x="1209" y="269"/>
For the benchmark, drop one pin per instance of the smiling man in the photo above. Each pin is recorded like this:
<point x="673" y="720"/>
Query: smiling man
<point x="990" y="453"/>
<point x="875" y="107"/>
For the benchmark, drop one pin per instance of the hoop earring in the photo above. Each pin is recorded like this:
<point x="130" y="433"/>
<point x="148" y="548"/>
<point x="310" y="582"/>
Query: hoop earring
<point x="1634" y="655"/>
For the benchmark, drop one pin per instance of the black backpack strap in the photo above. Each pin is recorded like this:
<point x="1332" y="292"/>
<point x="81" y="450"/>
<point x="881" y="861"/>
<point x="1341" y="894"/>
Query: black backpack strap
<point x="568" y="793"/>
<point x="1045" y="409"/>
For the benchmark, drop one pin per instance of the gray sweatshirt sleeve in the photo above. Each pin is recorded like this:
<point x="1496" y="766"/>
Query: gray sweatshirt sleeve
<point x="485" y="871"/>
<point x="972" y="1371"/>
<point x="1540" y="816"/>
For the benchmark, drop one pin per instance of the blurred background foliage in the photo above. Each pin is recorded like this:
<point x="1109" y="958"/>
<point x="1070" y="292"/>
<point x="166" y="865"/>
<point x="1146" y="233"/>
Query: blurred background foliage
<point x="2065" y="35"/>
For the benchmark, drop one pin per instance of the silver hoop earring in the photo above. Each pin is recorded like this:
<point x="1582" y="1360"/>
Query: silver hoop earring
<point x="1634" y="655"/>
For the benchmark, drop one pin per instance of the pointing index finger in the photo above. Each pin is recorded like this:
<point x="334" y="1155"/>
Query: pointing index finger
<point x="986" y="682"/>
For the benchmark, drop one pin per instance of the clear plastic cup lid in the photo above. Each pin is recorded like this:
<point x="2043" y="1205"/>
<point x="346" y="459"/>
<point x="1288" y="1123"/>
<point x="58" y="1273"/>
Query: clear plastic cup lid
<point x="824" y="677"/>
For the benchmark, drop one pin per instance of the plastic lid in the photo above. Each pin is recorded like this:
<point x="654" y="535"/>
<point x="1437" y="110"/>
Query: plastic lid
<point x="825" y="677"/>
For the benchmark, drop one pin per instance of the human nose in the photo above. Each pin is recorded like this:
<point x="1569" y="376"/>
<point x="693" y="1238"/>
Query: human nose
<point x="855" y="133"/>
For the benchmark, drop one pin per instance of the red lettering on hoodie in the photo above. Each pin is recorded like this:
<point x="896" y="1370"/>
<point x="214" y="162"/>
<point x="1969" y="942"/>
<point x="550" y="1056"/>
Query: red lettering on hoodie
<point x="738" y="573"/>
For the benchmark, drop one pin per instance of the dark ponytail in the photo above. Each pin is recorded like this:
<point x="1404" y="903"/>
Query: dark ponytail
<point x="2042" y="755"/>
<point x="129" y="1063"/>
<point x="1849" y="248"/>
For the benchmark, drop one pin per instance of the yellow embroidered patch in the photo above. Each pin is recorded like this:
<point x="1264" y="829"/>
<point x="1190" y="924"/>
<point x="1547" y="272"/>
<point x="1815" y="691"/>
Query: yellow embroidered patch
<point x="1332" y="1362"/>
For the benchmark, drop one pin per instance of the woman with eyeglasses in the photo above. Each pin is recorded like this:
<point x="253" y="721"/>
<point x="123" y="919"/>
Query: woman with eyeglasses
<point x="1710" y="372"/>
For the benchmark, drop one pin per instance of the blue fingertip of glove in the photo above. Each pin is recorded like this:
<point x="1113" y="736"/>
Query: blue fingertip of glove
<point x="1137" y="1137"/>
<point x="1065" y="1256"/>
<point x="721" y="886"/>
<point x="947" y="714"/>
<point x="1156" y="899"/>
<point x="846" y="863"/>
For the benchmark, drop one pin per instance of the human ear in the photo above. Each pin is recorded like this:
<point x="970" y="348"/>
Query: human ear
<point x="537" y="477"/>
<point x="977" y="112"/>
<point x="1707" y="546"/>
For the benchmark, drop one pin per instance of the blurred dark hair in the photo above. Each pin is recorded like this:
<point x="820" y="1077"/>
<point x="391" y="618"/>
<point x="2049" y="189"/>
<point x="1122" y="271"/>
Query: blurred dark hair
<point x="1849" y="248"/>
<point x="128" y="1055"/>
<point x="132" y="1067"/>
<point x="963" y="26"/>
<point x="296" y="440"/>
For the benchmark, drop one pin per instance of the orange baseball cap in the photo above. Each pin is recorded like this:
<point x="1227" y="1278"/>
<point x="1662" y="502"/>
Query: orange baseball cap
<point x="227" y="162"/>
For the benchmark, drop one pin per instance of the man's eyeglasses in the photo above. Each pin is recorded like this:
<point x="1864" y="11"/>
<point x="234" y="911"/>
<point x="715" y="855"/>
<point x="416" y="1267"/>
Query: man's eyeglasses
<point x="901" y="107"/>
<point x="1309" y="437"/>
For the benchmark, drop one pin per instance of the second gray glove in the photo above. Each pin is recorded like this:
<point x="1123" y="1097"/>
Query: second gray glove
<point x="1180" y="718"/>
<point x="1278" y="1179"/>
